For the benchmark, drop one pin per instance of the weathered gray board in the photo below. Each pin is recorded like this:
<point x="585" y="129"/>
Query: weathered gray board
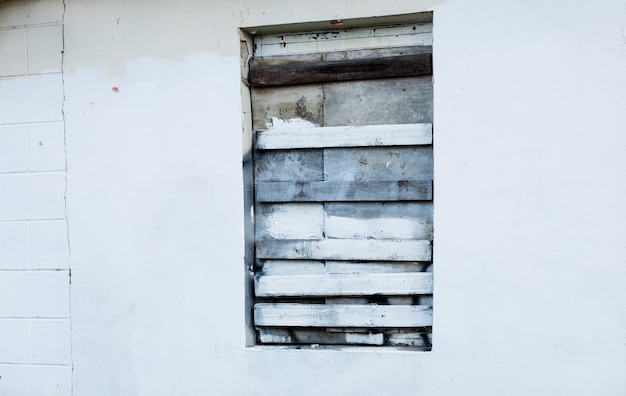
<point x="280" y="165"/>
<point x="404" y="100"/>
<point x="369" y="163"/>
<point x="337" y="191"/>
<point x="341" y="55"/>
<point x="343" y="211"/>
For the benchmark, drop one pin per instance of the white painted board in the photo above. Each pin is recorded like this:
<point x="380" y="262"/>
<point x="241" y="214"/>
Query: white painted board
<point x="303" y="135"/>
<point x="338" y="315"/>
<point x="356" y="284"/>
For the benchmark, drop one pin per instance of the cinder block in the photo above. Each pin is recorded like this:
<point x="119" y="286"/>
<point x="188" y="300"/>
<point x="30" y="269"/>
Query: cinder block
<point x="13" y="50"/>
<point x="31" y="99"/>
<point x="12" y="13"/>
<point x="48" y="245"/>
<point x="32" y="196"/>
<point x="13" y="148"/>
<point x="43" y="11"/>
<point x="35" y="380"/>
<point x="15" y="341"/>
<point x="45" y="46"/>
<point x="14" y="246"/>
<point x="30" y="12"/>
<point x="34" y="294"/>
<point x="46" y="147"/>
<point x="51" y="341"/>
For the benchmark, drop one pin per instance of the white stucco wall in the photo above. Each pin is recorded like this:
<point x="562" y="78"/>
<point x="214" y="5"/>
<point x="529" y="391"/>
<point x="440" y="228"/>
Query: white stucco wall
<point x="530" y="241"/>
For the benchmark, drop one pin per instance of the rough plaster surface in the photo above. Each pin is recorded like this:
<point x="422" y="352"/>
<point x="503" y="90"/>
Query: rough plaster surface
<point x="529" y="213"/>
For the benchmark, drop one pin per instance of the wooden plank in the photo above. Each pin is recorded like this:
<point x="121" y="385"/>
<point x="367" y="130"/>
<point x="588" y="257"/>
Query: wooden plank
<point x="299" y="135"/>
<point x="341" y="55"/>
<point x="378" y="163"/>
<point x="377" y="52"/>
<point x="317" y="336"/>
<point x="294" y="101"/>
<point x="389" y="101"/>
<point x="336" y="315"/>
<point x="336" y="34"/>
<point x="280" y="49"/>
<point x="340" y="70"/>
<point x="347" y="267"/>
<point x="292" y="267"/>
<point x="378" y="228"/>
<point x="374" y="220"/>
<point x="301" y="267"/>
<point x="290" y="221"/>
<point x="403" y="190"/>
<point x="343" y="39"/>
<point x="367" y="210"/>
<point x="281" y="165"/>
<point x="360" y="284"/>
<point x="346" y="300"/>
<point x="344" y="249"/>
<point x="413" y="339"/>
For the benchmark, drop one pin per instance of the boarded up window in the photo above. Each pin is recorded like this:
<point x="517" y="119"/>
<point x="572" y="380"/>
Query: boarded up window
<point x="343" y="181"/>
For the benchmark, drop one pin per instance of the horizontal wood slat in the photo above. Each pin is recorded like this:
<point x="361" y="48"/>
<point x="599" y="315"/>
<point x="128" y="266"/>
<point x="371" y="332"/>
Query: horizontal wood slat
<point x="339" y="191"/>
<point x="304" y="136"/>
<point x="361" y="284"/>
<point x="417" y="339"/>
<point x="377" y="228"/>
<point x="337" y="315"/>
<point x="377" y="163"/>
<point x="302" y="267"/>
<point x="341" y="70"/>
<point x="336" y="34"/>
<point x="403" y="100"/>
<point x="290" y="221"/>
<point x="317" y="336"/>
<point x="344" y="249"/>
<point x="324" y="42"/>
<point x="284" y="165"/>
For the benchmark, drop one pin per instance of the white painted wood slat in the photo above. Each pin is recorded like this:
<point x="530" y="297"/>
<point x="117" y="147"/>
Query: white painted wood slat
<point x="291" y="221"/>
<point x="337" y="315"/>
<point x="277" y="49"/>
<point x="360" y="284"/>
<point x="302" y="267"/>
<point x="302" y="135"/>
<point x="339" y="34"/>
<point x="380" y="228"/>
<point x="344" y="249"/>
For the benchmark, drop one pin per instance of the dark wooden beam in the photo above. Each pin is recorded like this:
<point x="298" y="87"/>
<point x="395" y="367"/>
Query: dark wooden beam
<point x="342" y="70"/>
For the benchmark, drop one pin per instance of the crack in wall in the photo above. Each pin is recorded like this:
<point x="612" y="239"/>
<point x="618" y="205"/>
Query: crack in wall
<point x="67" y="224"/>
